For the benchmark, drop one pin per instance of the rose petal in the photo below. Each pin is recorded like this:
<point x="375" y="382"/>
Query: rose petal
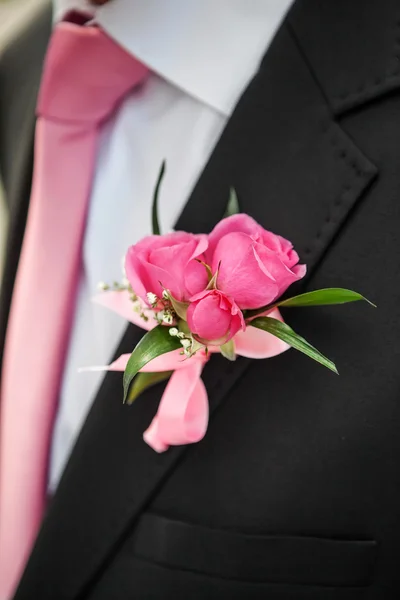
<point x="135" y="272"/>
<point x="240" y="223"/>
<point x="158" y="262"/>
<point x="195" y="277"/>
<point x="241" y="275"/>
<point x="282" y="275"/>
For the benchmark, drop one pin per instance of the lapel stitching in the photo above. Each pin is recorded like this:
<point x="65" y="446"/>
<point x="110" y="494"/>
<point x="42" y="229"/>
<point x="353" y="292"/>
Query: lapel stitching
<point x="362" y="173"/>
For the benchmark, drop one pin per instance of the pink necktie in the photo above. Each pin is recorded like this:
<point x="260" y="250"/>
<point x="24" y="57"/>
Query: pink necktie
<point x="85" y="76"/>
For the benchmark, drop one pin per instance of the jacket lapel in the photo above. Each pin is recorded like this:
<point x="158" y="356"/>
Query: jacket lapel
<point x="297" y="173"/>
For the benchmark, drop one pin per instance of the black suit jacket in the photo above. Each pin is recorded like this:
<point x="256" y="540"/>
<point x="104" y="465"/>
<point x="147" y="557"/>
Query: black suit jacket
<point x="294" y="492"/>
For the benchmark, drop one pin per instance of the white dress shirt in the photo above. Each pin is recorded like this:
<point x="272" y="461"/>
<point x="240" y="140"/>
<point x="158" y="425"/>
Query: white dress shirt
<point x="202" y="54"/>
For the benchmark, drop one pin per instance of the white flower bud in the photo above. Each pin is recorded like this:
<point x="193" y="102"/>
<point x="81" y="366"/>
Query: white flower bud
<point x="173" y="331"/>
<point x="186" y="343"/>
<point x="168" y="319"/>
<point x="165" y="295"/>
<point x="152" y="298"/>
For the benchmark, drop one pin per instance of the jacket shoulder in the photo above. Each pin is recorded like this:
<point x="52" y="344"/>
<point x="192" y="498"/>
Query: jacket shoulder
<point x="21" y="59"/>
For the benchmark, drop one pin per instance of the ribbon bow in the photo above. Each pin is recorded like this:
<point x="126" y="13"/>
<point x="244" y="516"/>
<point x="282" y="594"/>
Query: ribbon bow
<point x="182" y="416"/>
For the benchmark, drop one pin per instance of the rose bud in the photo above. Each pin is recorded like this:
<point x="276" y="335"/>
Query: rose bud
<point x="214" y="318"/>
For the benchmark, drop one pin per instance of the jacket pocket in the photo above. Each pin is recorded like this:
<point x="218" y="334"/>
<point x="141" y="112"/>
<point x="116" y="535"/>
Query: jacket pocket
<point x="273" y="559"/>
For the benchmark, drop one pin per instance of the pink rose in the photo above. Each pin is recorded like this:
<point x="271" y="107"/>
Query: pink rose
<point x="168" y="261"/>
<point x="256" y="266"/>
<point x="212" y="316"/>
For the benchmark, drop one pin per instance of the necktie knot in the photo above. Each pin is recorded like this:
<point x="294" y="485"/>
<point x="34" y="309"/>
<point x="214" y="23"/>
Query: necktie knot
<point x="85" y="75"/>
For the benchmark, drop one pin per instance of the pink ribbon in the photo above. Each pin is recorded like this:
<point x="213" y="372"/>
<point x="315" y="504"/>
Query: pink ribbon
<point x="182" y="416"/>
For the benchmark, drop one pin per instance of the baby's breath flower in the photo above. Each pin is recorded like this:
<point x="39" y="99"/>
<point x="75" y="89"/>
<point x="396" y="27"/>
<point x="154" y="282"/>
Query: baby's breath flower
<point x="168" y="319"/>
<point x="173" y="332"/>
<point x="152" y="298"/>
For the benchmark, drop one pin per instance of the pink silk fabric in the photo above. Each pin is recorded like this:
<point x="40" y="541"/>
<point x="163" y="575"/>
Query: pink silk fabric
<point x="85" y="76"/>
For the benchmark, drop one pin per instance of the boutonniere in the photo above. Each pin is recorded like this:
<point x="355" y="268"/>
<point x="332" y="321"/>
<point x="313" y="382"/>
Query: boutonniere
<point x="200" y="294"/>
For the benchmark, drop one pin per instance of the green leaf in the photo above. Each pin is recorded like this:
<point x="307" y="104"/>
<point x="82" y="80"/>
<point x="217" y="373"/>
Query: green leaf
<point x="232" y="208"/>
<point x="156" y="226"/>
<point x="324" y="297"/>
<point x="286" y="333"/>
<point x="143" y="381"/>
<point x="179" y="307"/>
<point x="156" y="342"/>
<point x="228" y="350"/>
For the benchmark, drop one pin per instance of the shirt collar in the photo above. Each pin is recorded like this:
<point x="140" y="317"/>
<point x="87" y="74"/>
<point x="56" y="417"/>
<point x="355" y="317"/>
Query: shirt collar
<point x="210" y="49"/>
